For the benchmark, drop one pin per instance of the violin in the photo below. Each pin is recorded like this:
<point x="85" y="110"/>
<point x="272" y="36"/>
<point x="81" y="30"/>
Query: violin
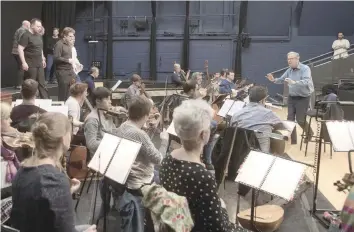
<point x="18" y="140"/>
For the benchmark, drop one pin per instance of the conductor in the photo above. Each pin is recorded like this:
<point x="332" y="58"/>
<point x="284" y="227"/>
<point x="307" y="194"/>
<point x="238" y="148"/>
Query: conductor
<point x="298" y="77"/>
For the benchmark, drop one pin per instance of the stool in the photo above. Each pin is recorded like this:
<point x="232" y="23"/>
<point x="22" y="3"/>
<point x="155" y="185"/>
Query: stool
<point x="316" y="113"/>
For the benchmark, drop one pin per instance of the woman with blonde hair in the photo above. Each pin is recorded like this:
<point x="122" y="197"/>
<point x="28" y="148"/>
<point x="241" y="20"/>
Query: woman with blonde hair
<point x="184" y="173"/>
<point x="41" y="191"/>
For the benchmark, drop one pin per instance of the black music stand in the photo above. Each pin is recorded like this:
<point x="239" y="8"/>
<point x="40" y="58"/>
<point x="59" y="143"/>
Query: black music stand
<point x="318" y="213"/>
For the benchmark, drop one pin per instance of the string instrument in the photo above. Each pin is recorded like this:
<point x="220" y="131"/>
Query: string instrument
<point x="267" y="218"/>
<point x="17" y="140"/>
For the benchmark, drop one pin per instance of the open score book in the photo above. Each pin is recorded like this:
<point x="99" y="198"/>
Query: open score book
<point x="341" y="134"/>
<point x="114" y="157"/>
<point x="271" y="174"/>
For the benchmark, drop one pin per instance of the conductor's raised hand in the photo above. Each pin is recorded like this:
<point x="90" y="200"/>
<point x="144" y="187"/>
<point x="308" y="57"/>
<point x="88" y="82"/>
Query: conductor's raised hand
<point x="270" y="77"/>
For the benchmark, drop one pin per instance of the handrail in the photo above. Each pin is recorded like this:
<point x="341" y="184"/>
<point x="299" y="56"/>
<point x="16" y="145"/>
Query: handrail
<point x="351" y="48"/>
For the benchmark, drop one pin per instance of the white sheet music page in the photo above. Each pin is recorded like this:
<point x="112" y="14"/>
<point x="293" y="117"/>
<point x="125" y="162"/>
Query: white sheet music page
<point x="124" y="157"/>
<point x="283" y="178"/>
<point x="171" y="129"/>
<point x="58" y="109"/>
<point x="123" y="160"/>
<point x="42" y="103"/>
<point x="255" y="168"/>
<point x="341" y="134"/>
<point x="230" y="107"/>
<point x="289" y="125"/>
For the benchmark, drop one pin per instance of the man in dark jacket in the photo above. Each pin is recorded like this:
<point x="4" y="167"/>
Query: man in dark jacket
<point x="17" y="36"/>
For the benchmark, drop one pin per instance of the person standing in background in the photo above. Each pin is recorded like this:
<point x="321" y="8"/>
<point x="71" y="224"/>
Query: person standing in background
<point x="18" y="34"/>
<point x="340" y="47"/>
<point x="30" y="51"/>
<point x="90" y="81"/>
<point x="64" y="63"/>
<point x="298" y="76"/>
<point x="51" y="41"/>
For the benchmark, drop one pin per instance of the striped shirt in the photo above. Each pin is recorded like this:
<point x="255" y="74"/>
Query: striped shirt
<point x="143" y="168"/>
<point x="347" y="215"/>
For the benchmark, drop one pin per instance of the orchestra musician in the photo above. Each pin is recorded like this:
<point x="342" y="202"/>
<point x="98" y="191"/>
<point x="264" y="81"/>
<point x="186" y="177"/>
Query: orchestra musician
<point x="42" y="193"/>
<point x="255" y="116"/>
<point x="183" y="172"/>
<point x="135" y="89"/>
<point x="298" y="77"/>
<point x="227" y="85"/>
<point x="78" y="93"/>
<point x="21" y="114"/>
<point x="179" y="76"/>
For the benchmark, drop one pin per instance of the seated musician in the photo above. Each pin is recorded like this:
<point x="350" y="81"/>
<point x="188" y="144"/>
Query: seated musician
<point x="78" y="93"/>
<point x="184" y="173"/>
<point x="135" y="89"/>
<point x="90" y="81"/>
<point x="28" y="108"/>
<point x="254" y="116"/>
<point x="92" y="129"/>
<point x="190" y="89"/>
<point x="179" y="76"/>
<point x="227" y="85"/>
<point x="42" y="193"/>
<point x="142" y="171"/>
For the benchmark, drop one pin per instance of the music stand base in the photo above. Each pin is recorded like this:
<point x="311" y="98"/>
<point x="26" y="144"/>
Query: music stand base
<point x="318" y="215"/>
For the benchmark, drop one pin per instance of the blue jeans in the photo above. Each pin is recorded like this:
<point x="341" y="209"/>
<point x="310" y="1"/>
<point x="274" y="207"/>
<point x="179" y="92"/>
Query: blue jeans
<point x="49" y="68"/>
<point x="208" y="148"/>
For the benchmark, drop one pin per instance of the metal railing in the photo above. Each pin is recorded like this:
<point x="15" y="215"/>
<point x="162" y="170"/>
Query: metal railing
<point x="318" y="60"/>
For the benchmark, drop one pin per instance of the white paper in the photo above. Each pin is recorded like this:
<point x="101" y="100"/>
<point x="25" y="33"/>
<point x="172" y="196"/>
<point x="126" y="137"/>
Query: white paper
<point x="283" y="178"/>
<point x="171" y="129"/>
<point x="42" y="103"/>
<point x="230" y="107"/>
<point x="341" y="134"/>
<point x="58" y="103"/>
<point x="58" y="109"/>
<point x="289" y="125"/>
<point x="124" y="157"/>
<point x="254" y="169"/>
<point x="116" y="85"/>
<point x="247" y="99"/>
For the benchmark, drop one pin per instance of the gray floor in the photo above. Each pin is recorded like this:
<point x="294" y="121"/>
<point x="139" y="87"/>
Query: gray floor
<point x="297" y="217"/>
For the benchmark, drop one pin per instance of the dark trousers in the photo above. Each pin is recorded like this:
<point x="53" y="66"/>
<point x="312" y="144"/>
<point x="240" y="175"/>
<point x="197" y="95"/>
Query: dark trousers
<point x="37" y="74"/>
<point x="19" y="70"/>
<point x="64" y="78"/>
<point x="297" y="108"/>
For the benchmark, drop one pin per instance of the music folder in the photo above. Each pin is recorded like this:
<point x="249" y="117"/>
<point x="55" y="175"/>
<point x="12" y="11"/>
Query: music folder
<point x="341" y="134"/>
<point x="274" y="175"/>
<point x="114" y="157"/>
<point x="230" y="107"/>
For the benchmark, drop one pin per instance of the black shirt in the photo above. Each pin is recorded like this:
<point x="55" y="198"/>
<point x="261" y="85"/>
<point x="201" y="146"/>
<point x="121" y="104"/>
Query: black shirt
<point x="197" y="184"/>
<point x="33" y="49"/>
<point x="62" y="54"/>
<point x="21" y="113"/>
<point x="50" y="44"/>
<point x="42" y="200"/>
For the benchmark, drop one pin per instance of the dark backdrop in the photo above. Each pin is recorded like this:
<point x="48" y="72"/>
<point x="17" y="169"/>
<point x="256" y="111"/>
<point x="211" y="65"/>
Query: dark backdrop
<point x="12" y="14"/>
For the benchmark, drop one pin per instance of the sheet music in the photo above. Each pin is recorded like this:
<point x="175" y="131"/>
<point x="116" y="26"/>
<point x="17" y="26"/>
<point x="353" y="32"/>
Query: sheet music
<point x="58" y="109"/>
<point x="341" y="134"/>
<point x="58" y="103"/>
<point x="99" y="84"/>
<point x="171" y="129"/>
<point x="254" y="169"/>
<point x="230" y="107"/>
<point x="283" y="178"/>
<point x="42" y="103"/>
<point x="116" y="85"/>
<point x="289" y="125"/>
<point x="247" y="99"/>
<point x="119" y="168"/>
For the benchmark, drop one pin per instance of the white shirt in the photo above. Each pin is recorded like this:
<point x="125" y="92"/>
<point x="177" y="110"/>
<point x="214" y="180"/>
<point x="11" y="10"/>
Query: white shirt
<point x="74" y="111"/>
<point x="76" y="64"/>
<point x="340" y="47"/>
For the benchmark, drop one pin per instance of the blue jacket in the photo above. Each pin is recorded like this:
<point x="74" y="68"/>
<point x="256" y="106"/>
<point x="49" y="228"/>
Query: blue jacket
<point x="132" y="213"/>
<point x="226" y="87"/>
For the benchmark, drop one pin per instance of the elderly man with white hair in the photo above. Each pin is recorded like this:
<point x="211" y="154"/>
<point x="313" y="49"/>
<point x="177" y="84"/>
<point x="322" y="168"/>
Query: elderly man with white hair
<point x="179" y="76"/>
<point x="184" y="173"/>
<point x="298" y="77"/>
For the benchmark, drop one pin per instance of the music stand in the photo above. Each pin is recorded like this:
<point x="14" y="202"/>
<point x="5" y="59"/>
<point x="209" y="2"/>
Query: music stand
<point x="270" y="177"/>
<point x="229" y="108"/>
<point x="318" y="213"/>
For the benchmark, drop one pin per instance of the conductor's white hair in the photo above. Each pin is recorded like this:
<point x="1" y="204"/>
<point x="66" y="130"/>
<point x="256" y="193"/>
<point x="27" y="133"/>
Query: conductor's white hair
<point x="294" y="54"/>
<point x="191" y="118"/>
<point x="176" y="65"/>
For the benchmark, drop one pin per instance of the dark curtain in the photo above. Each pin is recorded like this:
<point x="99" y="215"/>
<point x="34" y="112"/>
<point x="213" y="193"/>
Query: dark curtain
<point x="109" y="60"/>
<point x="153" y="56"/>
<point x="186" y="38"/>
<point x="242" y="25"/>
<point x="58" y="14"/>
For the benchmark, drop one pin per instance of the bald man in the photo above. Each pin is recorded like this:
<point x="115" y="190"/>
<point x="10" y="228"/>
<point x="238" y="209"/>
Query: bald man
<point x="17" y="36"/>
